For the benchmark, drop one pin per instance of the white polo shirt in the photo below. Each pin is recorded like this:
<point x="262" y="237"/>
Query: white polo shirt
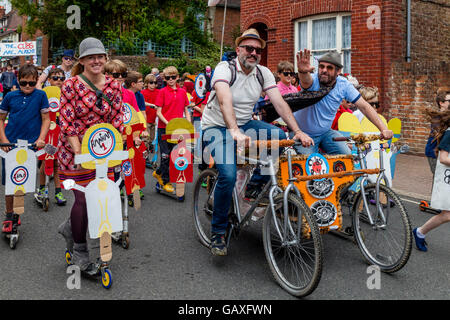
<point x="245" y="91"/>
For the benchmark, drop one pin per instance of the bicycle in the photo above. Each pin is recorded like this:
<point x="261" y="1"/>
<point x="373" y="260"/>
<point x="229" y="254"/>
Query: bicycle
<point x="291" y="237"/>
<point x="379" y="221"/>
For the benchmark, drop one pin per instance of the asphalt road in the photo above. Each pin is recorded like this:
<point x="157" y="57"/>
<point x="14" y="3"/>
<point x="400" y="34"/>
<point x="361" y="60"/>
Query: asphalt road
<point x="165" y="261"/>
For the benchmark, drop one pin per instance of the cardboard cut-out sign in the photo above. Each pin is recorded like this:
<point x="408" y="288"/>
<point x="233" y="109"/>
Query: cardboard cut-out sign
<point x="134" y="167"/>
<point x="321" y="195"/>
<point x="20" y="168"/>
<point x="102" y="147"/>
<point x="53" y="95"/>
<point x="180" y="131"/>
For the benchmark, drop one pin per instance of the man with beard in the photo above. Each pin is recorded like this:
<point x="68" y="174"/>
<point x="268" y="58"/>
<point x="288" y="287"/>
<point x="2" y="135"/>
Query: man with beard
<point x="317" y="119"/>
<point x="227" y="122"/>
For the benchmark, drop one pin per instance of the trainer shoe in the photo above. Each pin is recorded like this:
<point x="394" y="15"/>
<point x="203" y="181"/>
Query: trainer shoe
<point x="40" y="194"/>
<point x="158" y="177"/>
<point x="420" y="242"/>
<point x="168" y="187"/>
<point x="218" y="245"/>
<point x="59" y="198"/>
<point x="141" y="194"/>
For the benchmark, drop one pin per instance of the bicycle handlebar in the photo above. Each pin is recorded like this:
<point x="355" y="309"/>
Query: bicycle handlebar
<point x="270" y="143"/>
<point x="360" y="138"/>
<point x="32" y="145"/>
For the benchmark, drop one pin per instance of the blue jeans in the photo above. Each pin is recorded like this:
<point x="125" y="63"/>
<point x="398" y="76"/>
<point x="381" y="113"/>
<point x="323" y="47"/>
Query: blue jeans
<point x="223" y="150"/>
<point x="326" y="144"/>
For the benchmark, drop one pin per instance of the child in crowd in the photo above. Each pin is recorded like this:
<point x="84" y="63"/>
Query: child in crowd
<point x="135" y="84"/>
<point x="171" y="102"/>
<point x="118" y="70"/>
<point x="443" y="103"/>
<point x="56" y="78"/>
<point x="285" y="70"/>
<point x="28" y="120"/>
<point x="150" y="93"/>
<point x="441" y="185"/>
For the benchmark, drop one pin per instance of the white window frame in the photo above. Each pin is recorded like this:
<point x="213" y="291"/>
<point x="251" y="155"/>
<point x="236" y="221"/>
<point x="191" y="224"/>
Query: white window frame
<point x="309" y="20"/>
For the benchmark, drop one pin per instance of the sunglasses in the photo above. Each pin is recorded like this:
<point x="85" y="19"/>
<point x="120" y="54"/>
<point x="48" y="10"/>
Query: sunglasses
<point x="376" y="105"/>
<point x="170" y="77"/>
<point x="99" y="95"/>
<point x="250" y="49"/>
<point x="152" y="82"/>
<point x="68" y="58"/>
<point x="55" y="78"/>
<point x="118" y="74"/>
<point x="286" y="73"/>
<point x="329" y="67"/>
<point x="27" y="83"/>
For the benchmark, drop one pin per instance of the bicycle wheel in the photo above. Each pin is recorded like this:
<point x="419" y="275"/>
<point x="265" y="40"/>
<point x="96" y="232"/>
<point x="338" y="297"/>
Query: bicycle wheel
<point x="293" y="250"/>
<point x="385" y="244"/>
<point x="203" y="204"/>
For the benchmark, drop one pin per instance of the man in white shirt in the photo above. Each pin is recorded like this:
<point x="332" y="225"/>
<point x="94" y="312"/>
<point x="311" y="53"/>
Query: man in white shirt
<point x="227" y="121"/>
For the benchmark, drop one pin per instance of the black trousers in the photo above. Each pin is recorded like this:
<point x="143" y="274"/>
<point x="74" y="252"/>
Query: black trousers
<point x="165" y="149"/>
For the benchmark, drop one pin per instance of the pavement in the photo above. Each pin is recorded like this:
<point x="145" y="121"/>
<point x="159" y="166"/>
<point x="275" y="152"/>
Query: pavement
<point x="413" y="177"/>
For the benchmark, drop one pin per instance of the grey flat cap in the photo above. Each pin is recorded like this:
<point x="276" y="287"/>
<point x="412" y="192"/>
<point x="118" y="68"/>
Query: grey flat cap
<point x="332" y="57"/>
<point x="90" y="46"/>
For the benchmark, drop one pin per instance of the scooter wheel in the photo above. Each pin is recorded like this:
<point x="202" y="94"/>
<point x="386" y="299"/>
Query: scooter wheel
<point x="13" y="241"/>
<point x="125" y="243"/>
<point x="106" y="279"/>
<point x="45" y="204"/>
<point x="68" y="257"/>
<point x="423" y="204"/>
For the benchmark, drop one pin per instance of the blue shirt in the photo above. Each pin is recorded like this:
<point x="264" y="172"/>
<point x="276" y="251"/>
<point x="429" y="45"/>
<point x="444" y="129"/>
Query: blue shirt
<point x="24" y="120"/>
<point x="445" y="142"/>
<point x="140" y="101"/>
<point x="318" y="118"/>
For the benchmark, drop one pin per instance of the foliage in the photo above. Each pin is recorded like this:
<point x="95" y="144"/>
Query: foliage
<point x="158" y="20"/>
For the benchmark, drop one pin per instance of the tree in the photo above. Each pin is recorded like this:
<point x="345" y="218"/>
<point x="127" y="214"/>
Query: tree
<point x="157" y="20"/>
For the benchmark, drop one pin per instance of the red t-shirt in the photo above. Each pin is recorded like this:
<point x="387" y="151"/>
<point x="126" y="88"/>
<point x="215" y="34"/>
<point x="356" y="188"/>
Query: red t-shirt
<point x="188" y="86"/>
<point x="150" y="97"/>
<point x="172" y="102"/>
<point x="198" y="102"/>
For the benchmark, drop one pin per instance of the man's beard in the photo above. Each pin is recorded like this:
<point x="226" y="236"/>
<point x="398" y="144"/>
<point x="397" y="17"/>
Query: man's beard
<point x="330" y="80"/>
<point x="249" y="65"/>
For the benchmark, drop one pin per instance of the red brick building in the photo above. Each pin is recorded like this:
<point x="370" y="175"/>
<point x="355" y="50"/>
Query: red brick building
<point x="372" y="37"/>
<point x="215" y="17"/>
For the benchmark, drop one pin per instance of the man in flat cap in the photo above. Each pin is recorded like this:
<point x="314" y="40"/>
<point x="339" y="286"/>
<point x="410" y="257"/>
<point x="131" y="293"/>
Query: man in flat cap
<point x="317" y="119"/>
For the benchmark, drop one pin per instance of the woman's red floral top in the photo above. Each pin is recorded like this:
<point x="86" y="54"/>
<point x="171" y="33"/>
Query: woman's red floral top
<point x="78" y="112"/>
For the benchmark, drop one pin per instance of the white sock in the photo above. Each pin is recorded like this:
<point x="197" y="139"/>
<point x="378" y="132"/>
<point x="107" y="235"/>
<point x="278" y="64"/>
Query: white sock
<point x="420" y="234"/>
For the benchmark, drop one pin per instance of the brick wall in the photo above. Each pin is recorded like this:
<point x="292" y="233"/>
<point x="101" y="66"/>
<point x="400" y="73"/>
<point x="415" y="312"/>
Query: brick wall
<point x="413" y="85"/>
<point x="378" y="54"/>
<point x="232" y="23"/>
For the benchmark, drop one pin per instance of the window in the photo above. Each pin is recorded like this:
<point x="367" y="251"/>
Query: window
<point x="325" y="33"/>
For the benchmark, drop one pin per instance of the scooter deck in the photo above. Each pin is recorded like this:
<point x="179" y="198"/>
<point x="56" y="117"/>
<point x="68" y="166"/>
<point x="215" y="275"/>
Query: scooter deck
<point x="179" y="196"/>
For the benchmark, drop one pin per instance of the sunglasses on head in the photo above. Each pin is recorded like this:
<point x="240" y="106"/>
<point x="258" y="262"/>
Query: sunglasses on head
<point x="376" y="105"/>
<point x="27" y="83"/>
<point x="288" y="73"/>
<point x="170" y="77"/>
<point x="55" y="78"/>
<point x="118" y="74"/>
<point x="250" y="49"/>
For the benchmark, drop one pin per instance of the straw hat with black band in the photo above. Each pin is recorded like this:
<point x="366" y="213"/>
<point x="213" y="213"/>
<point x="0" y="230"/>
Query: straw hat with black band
<point x="250" y="34"/>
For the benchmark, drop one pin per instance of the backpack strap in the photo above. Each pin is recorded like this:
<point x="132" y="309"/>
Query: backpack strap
<point x="95" y="88"/>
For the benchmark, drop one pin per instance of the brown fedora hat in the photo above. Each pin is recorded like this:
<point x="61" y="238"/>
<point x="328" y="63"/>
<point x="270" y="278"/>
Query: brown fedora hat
<point x="250" y="34"/>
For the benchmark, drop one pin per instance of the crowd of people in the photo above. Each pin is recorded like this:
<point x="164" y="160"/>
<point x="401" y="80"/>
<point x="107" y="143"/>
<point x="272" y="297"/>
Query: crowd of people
<point x="94" y="89"/>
